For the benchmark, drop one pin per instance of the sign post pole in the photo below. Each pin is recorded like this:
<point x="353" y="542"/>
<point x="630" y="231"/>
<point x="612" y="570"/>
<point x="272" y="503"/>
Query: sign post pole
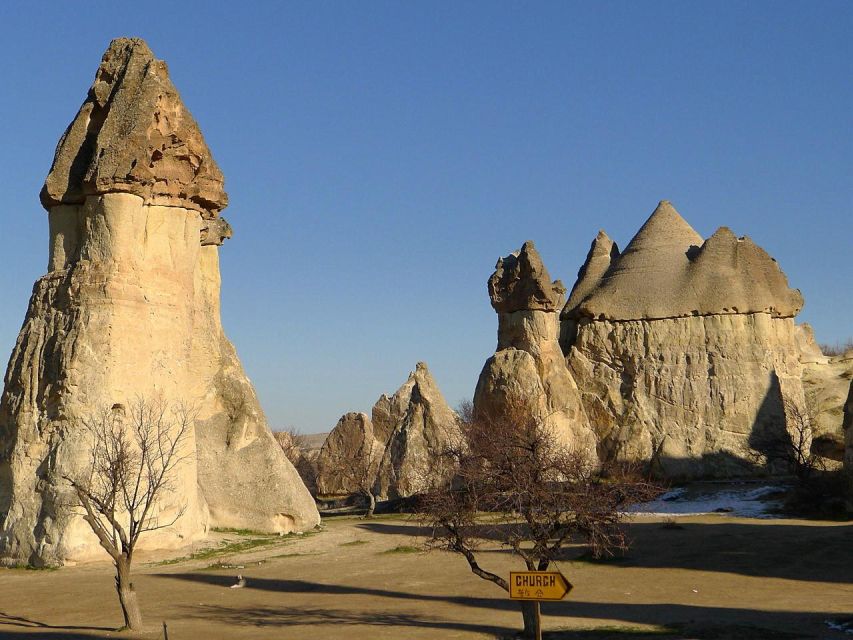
<point x="538" y="619"/>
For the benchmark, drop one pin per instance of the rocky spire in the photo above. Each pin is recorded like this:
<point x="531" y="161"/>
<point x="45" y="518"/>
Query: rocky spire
<point x="133" y="134"/>
<point x="602" y="253"/>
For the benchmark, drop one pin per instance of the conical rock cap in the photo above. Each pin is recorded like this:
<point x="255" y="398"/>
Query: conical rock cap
<point x="602" y="253"/>
<point x="133" y="134"/>
<point x="668" y="270"/>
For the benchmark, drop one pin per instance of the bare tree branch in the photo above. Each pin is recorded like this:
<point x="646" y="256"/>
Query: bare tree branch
<point x="134" y="454"/>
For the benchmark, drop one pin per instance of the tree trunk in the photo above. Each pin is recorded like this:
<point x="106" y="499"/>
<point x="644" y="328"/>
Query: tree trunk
<point x="532" y="622"/>
<point x="371" y="504"/>
<point x="127" y="595"/>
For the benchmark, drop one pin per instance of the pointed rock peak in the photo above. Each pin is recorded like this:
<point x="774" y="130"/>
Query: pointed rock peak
<point x="602" y="246"/>
<point x="664" y="227"/>
<point x="521" y="282"/>
<point x="602" y="252"/>
<point x="421" y="367"/>
<point x="668" y="271"/>
<point x="133" y="134"/>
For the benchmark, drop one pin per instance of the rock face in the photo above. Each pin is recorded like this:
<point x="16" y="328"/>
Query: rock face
<point x="424" y="427"/>
<point x="130" y="306"/>
<point x="847" y="426"/>
<point x="528" y="365"/>
<point x="396" y="448"/>
<point x="683" y="349"/>
<point x="826" y="381"/>
<point x="350" y="456"/>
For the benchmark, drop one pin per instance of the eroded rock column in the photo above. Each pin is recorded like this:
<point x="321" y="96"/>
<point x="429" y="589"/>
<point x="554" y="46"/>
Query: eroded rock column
<point x="130" y="307"/>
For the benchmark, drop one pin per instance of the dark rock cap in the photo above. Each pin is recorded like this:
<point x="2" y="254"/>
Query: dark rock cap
<point x="522" y="283"/>
<point x="133" y="134"/>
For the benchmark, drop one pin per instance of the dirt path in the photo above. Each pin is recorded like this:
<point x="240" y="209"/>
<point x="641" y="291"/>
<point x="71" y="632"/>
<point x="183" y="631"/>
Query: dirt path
<point x="716" y="577"/>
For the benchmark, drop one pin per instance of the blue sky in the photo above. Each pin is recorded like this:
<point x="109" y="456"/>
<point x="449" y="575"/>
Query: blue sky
<point x="380" y="156"/>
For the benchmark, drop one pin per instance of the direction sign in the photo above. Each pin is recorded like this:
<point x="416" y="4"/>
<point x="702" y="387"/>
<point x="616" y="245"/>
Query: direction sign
<point x="538" y="585"/>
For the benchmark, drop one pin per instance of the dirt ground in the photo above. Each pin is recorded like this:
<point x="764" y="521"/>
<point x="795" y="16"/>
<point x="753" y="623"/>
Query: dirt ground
<point x="714" y="577"/>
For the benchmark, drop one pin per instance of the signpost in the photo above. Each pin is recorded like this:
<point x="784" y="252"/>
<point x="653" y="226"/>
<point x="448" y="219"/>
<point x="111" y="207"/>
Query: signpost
<point x="537" y="586"/>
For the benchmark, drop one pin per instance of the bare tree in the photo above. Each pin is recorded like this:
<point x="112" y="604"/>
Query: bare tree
<point x="133" y="456"/>
<point x="791" y="448"/>
<point x="294" y="445"/>
<point x="518" y="485"/>
<point x="292" y="442"/>
<point x="358" y="470"/>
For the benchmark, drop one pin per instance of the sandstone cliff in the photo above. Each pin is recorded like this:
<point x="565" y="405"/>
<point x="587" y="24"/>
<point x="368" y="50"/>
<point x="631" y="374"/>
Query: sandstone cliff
<point x="130" y="306"/>
<point x="350" y="456"/>
<point x="826" y="380"/>
<point x="684" y="350"/>
<point x="528" y="365"/>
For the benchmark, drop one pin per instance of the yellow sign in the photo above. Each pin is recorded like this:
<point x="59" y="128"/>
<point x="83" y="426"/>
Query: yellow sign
<point x="538" y="585"/>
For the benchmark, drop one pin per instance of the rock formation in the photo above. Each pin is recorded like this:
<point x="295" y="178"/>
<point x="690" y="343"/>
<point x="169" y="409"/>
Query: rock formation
<point x="528" y="365"/>
<point x="130" y="306"/>
<point x="350" y="457"/>
<point x="396" y="448"/>
<point x="683" y="349"/>
<point x="847" y="426"/>
<point x="825" y="381"/>
<point x="424" y="428"/>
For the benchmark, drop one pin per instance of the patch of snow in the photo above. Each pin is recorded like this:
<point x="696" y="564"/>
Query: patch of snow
<point x="669" y="496"/>
<point x="736" y="500"/>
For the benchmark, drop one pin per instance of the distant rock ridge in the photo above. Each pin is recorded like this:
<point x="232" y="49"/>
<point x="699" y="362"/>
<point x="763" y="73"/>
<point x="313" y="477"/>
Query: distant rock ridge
<point x="669" y="271"/>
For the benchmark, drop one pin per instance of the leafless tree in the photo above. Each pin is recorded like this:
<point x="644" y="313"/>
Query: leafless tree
<point x="517" y="484"/>
<point x="294" y="444"/>
<point x="358" y="470"/>
<point x="134" y="453"/>
<point x="837" y="349"/>
<point x="791" y="448"/>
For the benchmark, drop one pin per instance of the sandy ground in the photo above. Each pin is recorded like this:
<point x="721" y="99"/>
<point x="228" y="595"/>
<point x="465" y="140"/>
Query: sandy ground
<point x="714" y="577"/>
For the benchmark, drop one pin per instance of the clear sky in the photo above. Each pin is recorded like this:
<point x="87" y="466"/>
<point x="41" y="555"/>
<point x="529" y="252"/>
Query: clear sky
<point x="380" y="156"/>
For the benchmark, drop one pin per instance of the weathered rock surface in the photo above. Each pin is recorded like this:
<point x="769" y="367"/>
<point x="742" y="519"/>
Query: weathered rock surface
<point x="130" y="306"/>
<point x="847" y="426"/>
<point x="825" y="381"/>
<point x="350" y="456"/>
<point x="396" y="448"/>
<point x="133" y="134"/>
<point x="683" y="349"/>
<point x="528" y="365"/>
<point x="426" y="427"/>
<point x="668" y="271"/>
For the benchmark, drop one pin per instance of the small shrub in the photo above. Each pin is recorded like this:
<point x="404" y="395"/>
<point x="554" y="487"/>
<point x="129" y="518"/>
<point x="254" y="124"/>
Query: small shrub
<point x="837" y="349"/>
<point x="825" y="495"/>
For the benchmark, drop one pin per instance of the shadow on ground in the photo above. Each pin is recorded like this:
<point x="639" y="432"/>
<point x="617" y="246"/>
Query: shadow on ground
<point x="758" y="550"/>
<point x="762" y="624"/>
<point x="33" y="629"/>
<point x="315" y="616"/>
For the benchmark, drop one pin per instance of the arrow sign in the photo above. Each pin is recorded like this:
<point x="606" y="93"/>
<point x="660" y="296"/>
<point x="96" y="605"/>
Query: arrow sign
<point x="538" y="585"/>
